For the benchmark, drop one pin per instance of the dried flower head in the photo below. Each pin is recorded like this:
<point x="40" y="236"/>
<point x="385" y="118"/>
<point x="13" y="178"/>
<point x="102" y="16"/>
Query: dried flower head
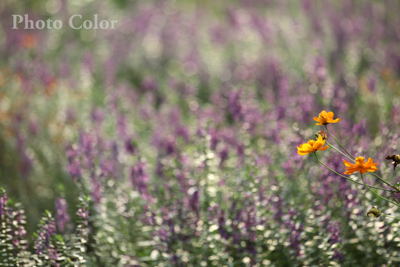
<point x="322" y="134"/>
<point x="374" y="213"/>
<point x="395" y="158"/>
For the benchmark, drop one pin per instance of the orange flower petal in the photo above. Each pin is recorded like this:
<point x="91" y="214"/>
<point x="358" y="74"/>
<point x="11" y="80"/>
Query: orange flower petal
<point x="324" y="148"/>
<point x="347" y="164"/>
<point x="317" y="145"/>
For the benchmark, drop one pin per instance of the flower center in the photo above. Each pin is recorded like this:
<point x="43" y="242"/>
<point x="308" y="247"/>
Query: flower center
<point x="360" y="161"/>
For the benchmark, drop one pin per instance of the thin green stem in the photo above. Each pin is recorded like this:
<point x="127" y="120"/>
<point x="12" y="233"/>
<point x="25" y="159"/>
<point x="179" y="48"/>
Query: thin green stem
<point x="390" y="216"/>
<point x="377" y="176"/>
<point x="326" y="127"/>
<point x="362" y="178"/>
<point x="388" y="190"/>
<point x="338" y="151"/>
<point x="352" y="158"/>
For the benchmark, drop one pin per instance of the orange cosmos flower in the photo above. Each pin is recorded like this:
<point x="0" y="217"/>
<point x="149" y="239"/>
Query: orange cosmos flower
<point x="325" y="118"/>
<point x="312" y="146"/>
<point x="360" y="166"/>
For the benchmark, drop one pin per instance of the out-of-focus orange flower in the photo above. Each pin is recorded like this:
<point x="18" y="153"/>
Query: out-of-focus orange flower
<point x="360" y="166"/>
<point x="50" y="85"/>
<point x="325" y="118"/>
<point x="29" y="41"/>
<point x="5" y="73"/>
<point x="311" y="146"/>
<point x="386" y="73"/>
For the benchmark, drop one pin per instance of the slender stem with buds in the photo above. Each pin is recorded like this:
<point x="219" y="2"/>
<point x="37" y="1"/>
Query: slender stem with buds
<point x="388" y="190"/>
<point x="362" y="177"/>
<point x="326" y="127"/>
<point x="383" y="181"/>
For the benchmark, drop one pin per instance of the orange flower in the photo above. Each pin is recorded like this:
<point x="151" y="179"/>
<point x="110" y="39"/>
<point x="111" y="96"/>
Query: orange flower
<point x="360" y="166"/>
<point x="325" y="118"/>
<point x="312" y="146"/>
<point x="29" y="41"/>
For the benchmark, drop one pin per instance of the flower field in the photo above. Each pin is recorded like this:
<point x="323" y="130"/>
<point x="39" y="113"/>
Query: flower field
<point x="199" y="133"/>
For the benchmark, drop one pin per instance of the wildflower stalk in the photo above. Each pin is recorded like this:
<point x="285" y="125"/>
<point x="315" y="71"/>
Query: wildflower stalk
<point x="377" y="176"/>
<point x="352" y="158"/>
<point x="362" y="177"/>
<point x="388" y="190"/>
<point x="343" y="154"/>
<point x="390" y="217"/>
<point x="326" y="127"/>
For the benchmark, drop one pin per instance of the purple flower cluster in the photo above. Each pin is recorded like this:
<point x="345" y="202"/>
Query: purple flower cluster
<point x="62" y="216"/>
<point x="45" y="235"/>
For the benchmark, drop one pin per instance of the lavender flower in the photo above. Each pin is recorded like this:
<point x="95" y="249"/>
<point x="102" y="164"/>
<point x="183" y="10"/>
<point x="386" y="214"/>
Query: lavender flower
<point x="62" y="216"/>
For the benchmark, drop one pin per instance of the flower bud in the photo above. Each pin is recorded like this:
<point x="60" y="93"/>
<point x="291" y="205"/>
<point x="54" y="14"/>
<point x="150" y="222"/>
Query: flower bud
<point x="374" y="213"/>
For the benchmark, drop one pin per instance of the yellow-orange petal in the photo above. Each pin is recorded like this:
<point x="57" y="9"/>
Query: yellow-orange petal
<point x="303" y="153"/>
<point x="369" y="161"/>
<point x="306" y="146"/>
<point x="311" y="143"/>
<point x="324" y="148"/>
<point x="350" y="170"/>
<point x="330" y="115"/>
<point x="347" y="164"/>
<point x="317" y="145"/>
